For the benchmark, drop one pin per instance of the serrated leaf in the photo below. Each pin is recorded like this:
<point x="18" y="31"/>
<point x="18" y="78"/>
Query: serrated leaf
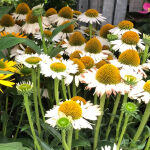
<point x="80" y="142"/>
<point x="7" y="42"/>
<point x="4" y="10"/>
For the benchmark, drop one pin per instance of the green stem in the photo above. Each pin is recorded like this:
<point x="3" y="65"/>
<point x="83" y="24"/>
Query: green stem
<point x="123" y="131"/>
<point x="148" y="144"/>
<point x="76" y="137"/>
<point x="64" y="144"/>
<point x="98" y="124"/>
<point x="145" y="53"/>
<point x="26" y="103"/>
<point x="56" y="90"/>
<point x="95" y="99"/>
<point x="19" y="124"/>
<point x="39" y="94"/>
<point x="36" y="101"/>
<point x="69" y="138"/>
<point x="74" y="92"/>
<point x="64" y="88"/>
<point x="90" y="27"/>
<point x="6" y="105"/>
<point x="113" y="115"/>
<point x="49" y="88"/>
<point x="69" y="93"/>
<point x="142" y="124"/>
<point x="42" y="33"/>
<point x="120" y="118"/>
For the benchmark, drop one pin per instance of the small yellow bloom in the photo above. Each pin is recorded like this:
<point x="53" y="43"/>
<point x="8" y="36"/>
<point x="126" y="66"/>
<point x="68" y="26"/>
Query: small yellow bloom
<point x="6" y="82"/>
<point x="7" y="65"/>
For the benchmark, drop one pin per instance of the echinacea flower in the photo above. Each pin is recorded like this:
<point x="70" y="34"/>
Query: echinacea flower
<point x="4" y="82"/>
<point x="146" y="7"/>
<point x="64" y="14"/>
<point x="59" y="69"/>
<point x="91" y="16"/>
<point x="106" y="79"/>
<point x="129" y="59"/>
<point x="77" y="113"/>
<point x="129" y="40"/>
<point x="123" y="27"/>
<point x="8" y="24"/>
<point x="76" y="42"/>
<point x="21" y="12"/>
<point x="32" y="60"/>
<point x="141" y="91"/>
<point x="93" y="48"/>
<point x="7" y="65"/>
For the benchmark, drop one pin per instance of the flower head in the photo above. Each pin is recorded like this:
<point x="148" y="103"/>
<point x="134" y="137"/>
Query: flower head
<point x="22" y="8"/>
<point x="146" y="7"/>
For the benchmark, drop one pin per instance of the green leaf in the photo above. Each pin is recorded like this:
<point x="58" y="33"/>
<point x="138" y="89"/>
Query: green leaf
<point x="4" y="10"/>
<point x="7" y="42"/>
<point x="80" y="142"/>
<point x="11" y="146"/>
<point x="60" y="28"/>
<point x="5" y="72"/>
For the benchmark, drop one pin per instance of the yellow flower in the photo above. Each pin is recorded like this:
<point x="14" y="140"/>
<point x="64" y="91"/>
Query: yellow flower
<point x="7" y="65"/>
<point x="5" y="82"/>
<point x="13" y="34"/>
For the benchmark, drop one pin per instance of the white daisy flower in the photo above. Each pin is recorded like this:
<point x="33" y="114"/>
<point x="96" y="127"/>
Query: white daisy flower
<point x="8" y="24"/>
<point x="76" y="42"/>
<point x="141" y="91"/>
<point x="129" y="40"/>
<point x="91" y="16"/>
<point x="65" y="14"/>
<point x="106" y="79"/>
<point x="123" y="27"/>
<point x="75" y="111"/>
<point x="129" y="59"/>
<point x="21" y="12"/>
<point x="56" y="68"/>
<point x="109" y="147"/>
<point x="32" y="60"/>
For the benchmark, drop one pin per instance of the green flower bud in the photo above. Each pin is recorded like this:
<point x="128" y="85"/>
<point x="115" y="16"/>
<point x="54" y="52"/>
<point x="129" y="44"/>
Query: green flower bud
<point x="146" y="39"/>
<point x="38" y="10"/>
<point x="63" y="123"/>
<point x="129" y="109"/>
<point x="130" y="80"/>
<point x="112" y="37"/>
<point x="24" y="88"/>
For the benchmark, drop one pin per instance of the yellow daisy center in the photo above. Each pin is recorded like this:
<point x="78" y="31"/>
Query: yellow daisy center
<point x="91" y="13"/>
<point x="129" y="57"/>
<point x="71" y="108"/>
<point x="108" y="74"/>
<point x="29" y="50"/>
<point x="105" y="30"/>
<point x="66" y="12"/>
<point x="76" y="39"/>
<point x="77" y="12"/>
<point x="147" y="86"/>
<point x="87" y="61"/>
<point x="31" y="19"/>
<point x="50" y="11"/>
<point x="100" y="64"/>
<point x="7" y="21"/>
<point x="2" y="65"/>
<point x="58" y="67"/>
<point x="80" y="64"/>
<point x="78" y="98"/>
<point x="93" y="46"/>
<point x="126" y="25"/>
<point x="22" y="8"/>
<point x="47" y="33"/>
<point x="76" y="54"/>
<point x="33" y="60"/>
<point x="69" y="29"/>
<point x="130" y="37"/>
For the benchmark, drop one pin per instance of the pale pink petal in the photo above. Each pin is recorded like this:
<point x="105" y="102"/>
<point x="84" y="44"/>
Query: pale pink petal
<point x="144" y="12"/>
<point x="146" y="6"/>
